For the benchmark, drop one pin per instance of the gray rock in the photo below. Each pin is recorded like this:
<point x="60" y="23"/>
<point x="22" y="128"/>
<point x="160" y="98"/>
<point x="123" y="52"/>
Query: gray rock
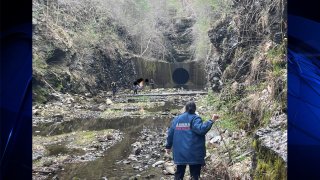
<point x="150" y="176"/>
<point x="132" y="157"/>
<point x="235" y="135"/>
<point x="170" y="169"/>
<point x="273" y="137"/>
<point x="155" y="155"/>
<point x="216" y="139"/>
<point x="126" y="162"/>
<point x="48" y="163"/>
<point x="165" y="172"/>
<point x="137" y="150"/>
<point x="157" y="163"/>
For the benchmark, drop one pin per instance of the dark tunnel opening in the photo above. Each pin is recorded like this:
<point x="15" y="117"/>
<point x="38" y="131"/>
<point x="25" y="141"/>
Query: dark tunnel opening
<point x="180" y="76"/>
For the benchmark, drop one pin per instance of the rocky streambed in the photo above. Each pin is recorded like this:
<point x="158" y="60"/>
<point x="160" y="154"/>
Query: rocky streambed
<point x="81" y="137"/>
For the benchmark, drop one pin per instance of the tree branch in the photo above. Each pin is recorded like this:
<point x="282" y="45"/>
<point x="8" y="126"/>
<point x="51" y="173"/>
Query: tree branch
<point x="146" y="47"/>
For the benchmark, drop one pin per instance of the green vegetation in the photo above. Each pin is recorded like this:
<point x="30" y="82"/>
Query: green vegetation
<point x="40" y="94"/>
<point x="254" y="144"/>
<point x="266" y="116"/>
<point x="278" y="62"/>
<point x="240" y="111"/>
<point x="86" y="138"/>
<point x="202" y="42"/>
<point x="276" y="52"/>
<point x="38" y="63"/>
<point x="75" y="139"/>
<point x="89" y="35"/>
<point x="142" y="98"/>
<point x="143" y="5"/>
<point x="228" y="119"/>
<point x="175" y="4"/>
<point x="256" y="87"/>
<point x="269" y="166"/>
<point x="60" y="85"/>
<point x="111" y="113"/>
<point x="228" y="122"/>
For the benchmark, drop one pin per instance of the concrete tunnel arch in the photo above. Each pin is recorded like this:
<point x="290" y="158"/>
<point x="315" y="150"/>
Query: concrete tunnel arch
<point x="180" y="76"/>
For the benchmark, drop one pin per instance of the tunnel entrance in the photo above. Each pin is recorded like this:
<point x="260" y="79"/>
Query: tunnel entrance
<point x="186" y="75"/>
<point x="180" y="76"/>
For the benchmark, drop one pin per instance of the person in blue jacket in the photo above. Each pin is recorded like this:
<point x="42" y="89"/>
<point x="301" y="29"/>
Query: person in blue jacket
<point x="186" y="136"/>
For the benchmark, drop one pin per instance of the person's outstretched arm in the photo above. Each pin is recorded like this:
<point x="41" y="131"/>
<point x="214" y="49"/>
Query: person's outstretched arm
<point x="200" y="127"/>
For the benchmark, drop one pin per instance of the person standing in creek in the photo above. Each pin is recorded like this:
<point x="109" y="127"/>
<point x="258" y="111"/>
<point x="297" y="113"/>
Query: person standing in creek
<point x="135" y="87"/>
<point x="186" y="136"/>
<point x="152" y="83"/>
<point x="114" y="88"/>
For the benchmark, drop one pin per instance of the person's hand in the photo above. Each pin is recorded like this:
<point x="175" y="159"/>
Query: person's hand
<point x="215" y="117"/>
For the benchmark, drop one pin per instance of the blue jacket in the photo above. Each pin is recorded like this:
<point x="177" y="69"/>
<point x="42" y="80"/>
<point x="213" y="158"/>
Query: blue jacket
<point x="187" y="138"/>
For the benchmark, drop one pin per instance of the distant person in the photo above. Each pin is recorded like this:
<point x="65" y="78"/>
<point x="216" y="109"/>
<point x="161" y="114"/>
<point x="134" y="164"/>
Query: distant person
<point x="140" y="83"/>
<point x="135" y="87"/>
<point x="114" y="88"/>
<point x="186" y="136"/>
<point x="146" y="82"/>
<point x="152" y="83"/>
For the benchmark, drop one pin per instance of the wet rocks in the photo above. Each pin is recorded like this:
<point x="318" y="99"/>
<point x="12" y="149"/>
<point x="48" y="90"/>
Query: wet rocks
<point x="65" y="108"/>
<point x="149" y="146"/>
<point x="83" y="146"/>
<point x="146" y="151"/>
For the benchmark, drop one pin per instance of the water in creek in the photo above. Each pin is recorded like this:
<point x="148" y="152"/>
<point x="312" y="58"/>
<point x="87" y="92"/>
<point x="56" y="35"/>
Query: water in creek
<point x="110" y="166"/>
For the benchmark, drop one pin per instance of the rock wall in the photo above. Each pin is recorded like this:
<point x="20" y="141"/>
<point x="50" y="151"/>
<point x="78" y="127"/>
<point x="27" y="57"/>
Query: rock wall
<point x="77" y="52"/>
<point x="247" y="67"/>
<point x="270" y="146"/>
<point x="179" y="39"/>
<point x="236" y="38"/>
<point x="77" y="49"/>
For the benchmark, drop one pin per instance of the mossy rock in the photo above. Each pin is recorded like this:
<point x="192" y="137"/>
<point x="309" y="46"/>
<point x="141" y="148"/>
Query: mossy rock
<point x="267" y="165"/>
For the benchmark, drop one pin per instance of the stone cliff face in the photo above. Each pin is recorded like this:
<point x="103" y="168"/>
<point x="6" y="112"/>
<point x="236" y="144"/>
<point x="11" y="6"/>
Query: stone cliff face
<point x="247" y="66"/>
<point x="81" y="51"/>
<point x="236" y="39"/>
<point x="70" y="64"/>
<point x="77" y="52"/>
<point x="179" y="39"/>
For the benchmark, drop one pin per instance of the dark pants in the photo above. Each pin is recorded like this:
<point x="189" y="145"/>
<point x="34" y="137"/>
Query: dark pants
<point x="114" y="90"/>
<point x="194" y="172"/>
